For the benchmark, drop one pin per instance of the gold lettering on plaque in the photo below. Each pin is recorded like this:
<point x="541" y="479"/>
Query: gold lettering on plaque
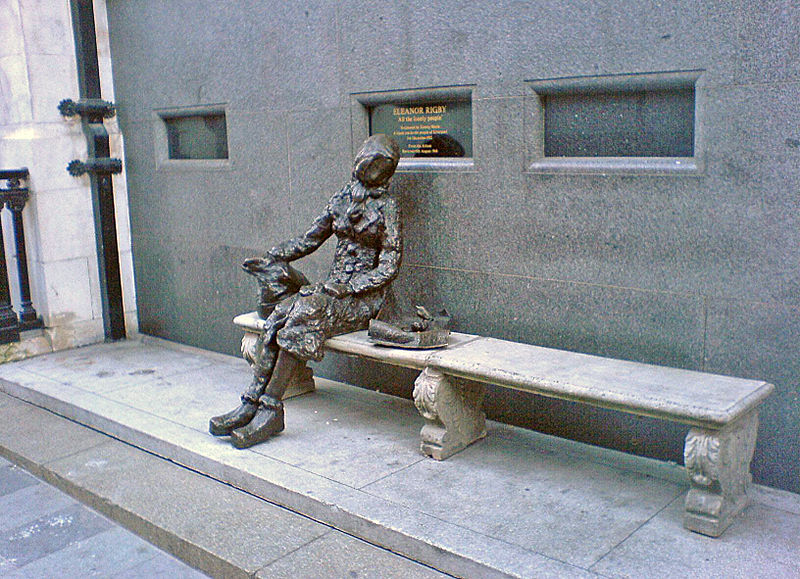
<point x="417" y="126"/>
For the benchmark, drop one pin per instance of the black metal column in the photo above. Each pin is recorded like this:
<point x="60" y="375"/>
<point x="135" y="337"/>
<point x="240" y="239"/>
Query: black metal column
<point x="102" y="188"/>
<point x="27" y="315"/>
<point x="9" y="325"/>
<point x="15" y="196"/>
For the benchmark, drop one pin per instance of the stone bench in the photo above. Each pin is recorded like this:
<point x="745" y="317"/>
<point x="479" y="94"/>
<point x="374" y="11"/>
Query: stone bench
<point x="722" y="411"/>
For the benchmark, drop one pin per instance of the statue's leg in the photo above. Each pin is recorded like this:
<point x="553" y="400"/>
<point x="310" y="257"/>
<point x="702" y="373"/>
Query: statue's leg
<point x="300" y="338"/>
<point x="265" y="353"/>
<point x="269" y="417"/>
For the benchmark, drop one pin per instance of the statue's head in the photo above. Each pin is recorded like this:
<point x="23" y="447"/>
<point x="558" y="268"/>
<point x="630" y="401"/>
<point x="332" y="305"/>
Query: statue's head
<point x="376" y="161"/>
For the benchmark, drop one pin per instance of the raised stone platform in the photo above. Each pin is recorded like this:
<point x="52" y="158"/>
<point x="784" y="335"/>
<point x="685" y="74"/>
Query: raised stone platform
<point x="516" y="504"/>
<point x="722" y="410"/>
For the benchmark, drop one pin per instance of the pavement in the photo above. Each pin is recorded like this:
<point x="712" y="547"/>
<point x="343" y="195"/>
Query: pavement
<point x="344" y="491"/>
<point x="46" y="533"/>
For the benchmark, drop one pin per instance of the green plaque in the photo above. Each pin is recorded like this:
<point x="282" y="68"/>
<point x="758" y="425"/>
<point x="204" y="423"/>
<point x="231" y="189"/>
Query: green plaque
<point x="426" y="129"/>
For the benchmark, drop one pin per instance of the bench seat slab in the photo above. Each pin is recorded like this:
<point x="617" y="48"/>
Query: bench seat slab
<point x="718" y="465"/>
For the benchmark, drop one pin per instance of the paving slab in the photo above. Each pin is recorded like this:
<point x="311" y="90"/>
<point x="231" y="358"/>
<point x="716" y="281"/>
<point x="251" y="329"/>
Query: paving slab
<point x="30" y="503"/>
<point x="106" y="554"/>
<point x="567" y="509"/>
<point x="340" y="555"/>
<point x="149" y="496"/>
<point x="34" y="539"/>
<point x="764" y="542"/>
<point x="310" y="420"/>
<point x="108" y="367"/>
<point x="777" y="499"/>
<point x="159" y="568"/>
<point x="388" y="428"/>
<point x="13" y="479"/>
<point x="22" y="377"/>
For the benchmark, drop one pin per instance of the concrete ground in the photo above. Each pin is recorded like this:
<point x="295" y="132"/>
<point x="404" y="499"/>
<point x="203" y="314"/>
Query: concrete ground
<point x="517" y="504"/>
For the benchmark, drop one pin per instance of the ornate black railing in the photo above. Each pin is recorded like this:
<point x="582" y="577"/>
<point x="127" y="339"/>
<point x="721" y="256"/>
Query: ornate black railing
<point x="14" y="196"/>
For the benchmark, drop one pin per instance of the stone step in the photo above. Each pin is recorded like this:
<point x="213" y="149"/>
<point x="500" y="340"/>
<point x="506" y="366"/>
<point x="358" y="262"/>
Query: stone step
<point x="46" y="533"/>
<point x="209" y="525"/>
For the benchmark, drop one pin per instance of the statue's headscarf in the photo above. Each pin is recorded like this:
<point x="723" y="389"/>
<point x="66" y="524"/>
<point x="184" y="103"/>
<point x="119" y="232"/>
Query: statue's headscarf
<point x="375" y="147"/>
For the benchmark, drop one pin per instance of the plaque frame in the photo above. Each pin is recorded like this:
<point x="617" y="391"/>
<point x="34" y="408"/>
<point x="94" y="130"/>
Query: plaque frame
<point x="360" y="104"/>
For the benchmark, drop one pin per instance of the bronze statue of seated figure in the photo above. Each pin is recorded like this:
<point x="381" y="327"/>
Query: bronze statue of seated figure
<point x="301" y="316"/>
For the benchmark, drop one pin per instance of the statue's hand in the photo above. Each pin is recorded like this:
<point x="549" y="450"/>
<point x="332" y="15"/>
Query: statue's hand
<point x="337" y="290"/>
<point x="257" y="264"/>
<point x="310" y="289"/>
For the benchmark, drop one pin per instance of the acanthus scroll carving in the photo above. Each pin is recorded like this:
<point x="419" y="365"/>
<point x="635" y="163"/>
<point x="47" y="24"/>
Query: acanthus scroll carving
<point x="425" y="388"/>
<point x="249" y="341"/>
<point x="452" y="411"/>
<point x="718" y="465"/>
<point x="701" y="457"/>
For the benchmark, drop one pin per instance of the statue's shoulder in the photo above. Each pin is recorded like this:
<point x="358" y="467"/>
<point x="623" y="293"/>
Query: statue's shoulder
<point x="390" y="207"/>
<point x="340" y="198"/>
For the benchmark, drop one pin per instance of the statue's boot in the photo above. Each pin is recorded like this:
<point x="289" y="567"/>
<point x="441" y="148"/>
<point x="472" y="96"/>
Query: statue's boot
<point x="224" y="424"/>
<point x="269" y="418"/>
<point x="267" y="422"/>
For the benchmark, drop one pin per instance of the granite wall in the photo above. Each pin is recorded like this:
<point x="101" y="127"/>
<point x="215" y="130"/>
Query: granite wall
<point x="698" y="270"/>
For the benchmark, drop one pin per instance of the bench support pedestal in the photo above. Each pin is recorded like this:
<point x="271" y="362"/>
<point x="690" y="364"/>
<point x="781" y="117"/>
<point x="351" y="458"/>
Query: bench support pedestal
<point x="453" y="415"/>
<point x="718" y="464"/>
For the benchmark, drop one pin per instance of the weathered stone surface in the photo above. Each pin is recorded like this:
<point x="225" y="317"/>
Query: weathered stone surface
<point x="339" y="555"/>
<point x="452" y="412"/>
<point x="668" y="393"/>
<point x="718" y="464"/>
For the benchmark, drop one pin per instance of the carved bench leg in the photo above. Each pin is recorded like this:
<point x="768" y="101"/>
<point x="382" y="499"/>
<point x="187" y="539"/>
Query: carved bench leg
<point x="718" y="465"/>
<point x="453" y="416"/>
<point x="303" y="385"/>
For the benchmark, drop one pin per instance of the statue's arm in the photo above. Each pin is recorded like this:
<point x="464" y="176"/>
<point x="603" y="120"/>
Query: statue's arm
<point x="390" y="256"/>
<point x="301" y="246"/>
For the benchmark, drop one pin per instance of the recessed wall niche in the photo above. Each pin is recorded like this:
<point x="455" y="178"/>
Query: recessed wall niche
<point x="192" y="137"/>
<point x="632" y="123"/>
<point x="203" y="136"/>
